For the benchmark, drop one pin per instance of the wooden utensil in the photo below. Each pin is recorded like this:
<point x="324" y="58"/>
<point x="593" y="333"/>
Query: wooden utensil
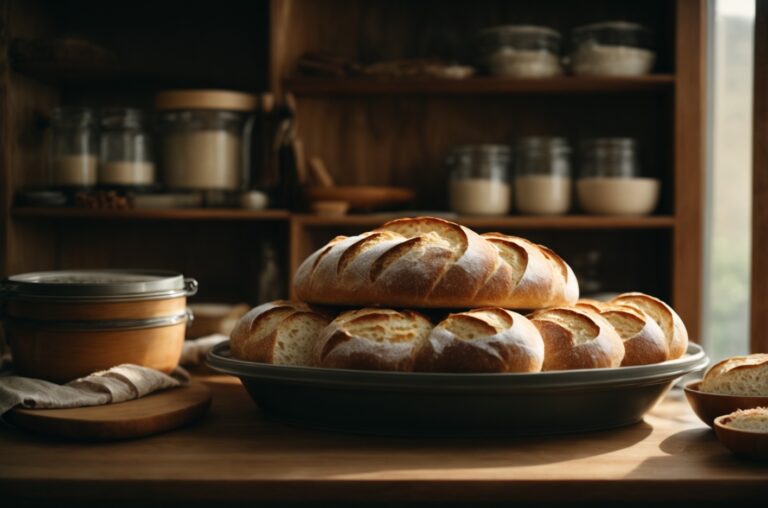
<point x="752" y="445"/>
<point x="319" y="173"/>
<point x="158" y="412"/>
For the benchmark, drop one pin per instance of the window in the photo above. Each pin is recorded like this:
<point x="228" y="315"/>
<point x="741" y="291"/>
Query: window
<point x="729" y="207"/>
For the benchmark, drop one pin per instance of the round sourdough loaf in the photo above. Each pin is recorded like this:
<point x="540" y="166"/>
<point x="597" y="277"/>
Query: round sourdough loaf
<point x="280" y="332"/>
<point x="667" y="319"/>
<point x="433" y="263"/>
<point x="372" y="339"/>
<point x="482" y="340"/>
<point x="738" y="375"/>
<point x="577" y="339"/>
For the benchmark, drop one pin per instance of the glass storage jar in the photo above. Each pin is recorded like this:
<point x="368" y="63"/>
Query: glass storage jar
<point x="613" y="48"/>
<point x="479" y="179"/>
<point x="73" y="153"/>
<point x="205" y="136"/>
<point x="542" y="176"/>
<point x="610" y="180"/>
<point x="520" y="51"/>
<point x="126" y="156"/>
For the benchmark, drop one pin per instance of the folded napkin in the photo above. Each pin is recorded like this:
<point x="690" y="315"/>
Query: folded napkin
<point x="118" y="384"/>
<point x="196" y="350"/>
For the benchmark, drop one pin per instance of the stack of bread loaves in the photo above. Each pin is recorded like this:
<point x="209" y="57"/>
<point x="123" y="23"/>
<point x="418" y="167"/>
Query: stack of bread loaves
<point x="433" y="264"/>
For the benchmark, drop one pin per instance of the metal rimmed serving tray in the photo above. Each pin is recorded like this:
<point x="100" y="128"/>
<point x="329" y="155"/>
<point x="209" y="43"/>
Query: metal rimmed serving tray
<point x="438" y="404"/>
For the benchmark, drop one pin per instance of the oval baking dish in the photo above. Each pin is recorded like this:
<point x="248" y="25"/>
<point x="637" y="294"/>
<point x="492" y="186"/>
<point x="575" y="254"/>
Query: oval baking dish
<point x="62" y="325"/>
<point x="457" y="404"/>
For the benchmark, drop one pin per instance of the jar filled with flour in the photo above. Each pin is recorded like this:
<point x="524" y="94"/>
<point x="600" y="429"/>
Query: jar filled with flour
<point x="74" y="149"/>
<point x="542" y="176"/>
<point x="613" y="48"/>
<point x="479" y="179"/>
<point x="205" y="137"/>
<point x="126" y="151"/>
<point x="520" y="51"/>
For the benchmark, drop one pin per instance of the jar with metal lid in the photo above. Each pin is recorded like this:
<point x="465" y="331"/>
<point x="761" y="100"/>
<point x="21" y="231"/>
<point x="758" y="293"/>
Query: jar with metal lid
<point x="126" y="151"/>
<point x="73" y="156"/>
<point x="610" y="180"/>
<point x="205" y="139"/>
<point x="542" y="175"/>
<point x="62" y="325"/>
<point x="613" y="48"/>
<point x="479" y="179"/>
<point x="520" y="51"/>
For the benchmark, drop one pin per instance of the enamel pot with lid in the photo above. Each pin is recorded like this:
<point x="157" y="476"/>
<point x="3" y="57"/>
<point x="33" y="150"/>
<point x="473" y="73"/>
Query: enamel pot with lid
<point x="62" y="325"/>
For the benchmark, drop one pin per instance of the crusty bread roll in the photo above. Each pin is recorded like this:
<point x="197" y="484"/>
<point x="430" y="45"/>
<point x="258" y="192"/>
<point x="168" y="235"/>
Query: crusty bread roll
<point x="433" y="263"/>
<point x="280" y="332"/>
<point x="482" y="340"/>
<point x="372" y="339"/>
<point x="670" y="323"/>
<point x="577" y="339"/>
<point x="739" y="375"/>
<point x="644" y="341"/>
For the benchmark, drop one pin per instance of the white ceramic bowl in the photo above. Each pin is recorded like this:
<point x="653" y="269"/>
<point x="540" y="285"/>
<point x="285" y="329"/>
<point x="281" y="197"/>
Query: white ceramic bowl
<point x="618" y="196"/>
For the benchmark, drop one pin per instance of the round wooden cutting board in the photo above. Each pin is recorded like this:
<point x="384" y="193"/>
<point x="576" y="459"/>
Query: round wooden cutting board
<point x="158" y="412"/>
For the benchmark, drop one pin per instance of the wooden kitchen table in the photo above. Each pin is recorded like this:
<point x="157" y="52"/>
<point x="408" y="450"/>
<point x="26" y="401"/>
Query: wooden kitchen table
<point x="234" y="455"/>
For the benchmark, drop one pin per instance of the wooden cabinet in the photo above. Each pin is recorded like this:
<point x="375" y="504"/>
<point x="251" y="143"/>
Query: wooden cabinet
<point x="368" y="131"/>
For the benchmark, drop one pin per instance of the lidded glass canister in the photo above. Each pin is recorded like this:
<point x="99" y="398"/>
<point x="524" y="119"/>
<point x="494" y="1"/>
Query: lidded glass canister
<point x="205" y="139"/>
<point x="479" y="179"/>
<point x="126" y="149"/>
<point x="73" y="154"/>
<point x="543" y="184"/>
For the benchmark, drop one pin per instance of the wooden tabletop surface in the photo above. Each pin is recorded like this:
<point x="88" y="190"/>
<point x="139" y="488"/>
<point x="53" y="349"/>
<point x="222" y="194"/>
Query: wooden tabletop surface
<point x="236" y="455"/>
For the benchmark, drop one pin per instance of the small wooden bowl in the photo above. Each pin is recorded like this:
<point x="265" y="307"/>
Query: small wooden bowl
<point x="744" y="443"/>
<point x="330" y="208"/>
<point x="709" y="406"/>
<point x="362" y="198"/>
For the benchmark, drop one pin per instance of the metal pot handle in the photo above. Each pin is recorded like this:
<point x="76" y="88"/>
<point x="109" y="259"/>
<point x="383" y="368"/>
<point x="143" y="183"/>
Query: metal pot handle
<point x="190" y="286"/>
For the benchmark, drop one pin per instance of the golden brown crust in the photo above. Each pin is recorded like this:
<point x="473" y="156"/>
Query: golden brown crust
<point x="577" y="339"/>
<point x="372" y="339"/>
<point x="667" y="319"/>
<point x="482" y="340"/>
<point x="433" y="263"/>
<point x="255" y="337"/>
<point x="644" y="341"/>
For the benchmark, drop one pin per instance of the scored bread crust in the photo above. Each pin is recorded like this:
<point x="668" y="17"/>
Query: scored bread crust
<point x="738" y="375"/>
<point x="575" y="338"/>
<point x="433" y="263"/>
<point x="667" y="319"/>
<point x="644" y="340"/>
<point x="372" y="339"/>
<point x="280" y="332"/>
<point x="482" y="340"/>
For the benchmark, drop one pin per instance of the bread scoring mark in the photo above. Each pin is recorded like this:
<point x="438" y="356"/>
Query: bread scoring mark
<point x="626" y="323"/>
<point x="555" y="260"/>
<point x="353" y="251"/>
<point x="337" y="338"/>
<point x="582" y="328"/>
<point x="325" y="251"/>
<point x="515" y="256"/>
<point x="393" y="254"/>
<point x="270" y="318"/>
<point x="467" y="327"/>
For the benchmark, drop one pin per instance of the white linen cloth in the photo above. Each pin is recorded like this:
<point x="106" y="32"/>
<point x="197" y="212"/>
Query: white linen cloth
<point x="118" y="384"/>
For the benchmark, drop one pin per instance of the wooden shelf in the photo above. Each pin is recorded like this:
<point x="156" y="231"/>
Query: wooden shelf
<point x="150" y="214"/>
<point x="503" y="222"/>
<point x="482" y="85"/>
<point x="367" y="220"/>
